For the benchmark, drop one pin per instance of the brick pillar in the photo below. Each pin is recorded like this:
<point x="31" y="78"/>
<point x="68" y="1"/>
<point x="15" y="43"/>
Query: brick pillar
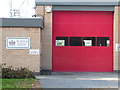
<point x="119" y="36"/>
<point x="40" y="11"/>
<point x="46" y="43"/>
<point x="116" y="36"/>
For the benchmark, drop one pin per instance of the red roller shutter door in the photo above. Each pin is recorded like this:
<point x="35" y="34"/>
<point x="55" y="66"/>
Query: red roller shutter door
<point x="82" y="24"/>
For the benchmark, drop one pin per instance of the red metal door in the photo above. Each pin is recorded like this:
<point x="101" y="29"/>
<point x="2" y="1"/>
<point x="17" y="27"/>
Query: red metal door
<point x="82" y="24"/>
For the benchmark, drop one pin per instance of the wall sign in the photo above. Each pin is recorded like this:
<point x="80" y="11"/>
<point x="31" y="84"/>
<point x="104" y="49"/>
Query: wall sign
<point x="118" y="47"/>
<point x="34" y="52"/>
<point x="18" y="43"/>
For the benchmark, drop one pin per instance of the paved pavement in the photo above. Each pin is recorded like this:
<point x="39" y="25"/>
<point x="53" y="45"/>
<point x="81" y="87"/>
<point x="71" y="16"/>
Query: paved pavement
<point x="79" y="80"/>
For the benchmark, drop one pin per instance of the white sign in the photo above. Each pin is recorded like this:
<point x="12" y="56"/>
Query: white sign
<point x="60" y="42"/>
<point x="17" y="43"/>
<point x="34" y="51"/>
<point x="88" y="42"/>
<point x="118" y="47"/>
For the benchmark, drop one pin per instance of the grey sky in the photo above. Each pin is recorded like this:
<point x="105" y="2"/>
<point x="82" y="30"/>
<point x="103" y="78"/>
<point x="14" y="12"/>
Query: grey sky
<point x="25" y="7"/>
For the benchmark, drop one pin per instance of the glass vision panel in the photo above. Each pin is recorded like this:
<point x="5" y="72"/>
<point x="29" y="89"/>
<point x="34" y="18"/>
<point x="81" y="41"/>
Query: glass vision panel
<point x="89" y="41"/>
<point x="75" y="41"/>
<point x="61" y="41"/>
<point x="103" y="41"/>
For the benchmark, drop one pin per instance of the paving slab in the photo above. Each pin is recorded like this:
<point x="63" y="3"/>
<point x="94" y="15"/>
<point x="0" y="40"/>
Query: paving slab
<point x="79" y="80"/>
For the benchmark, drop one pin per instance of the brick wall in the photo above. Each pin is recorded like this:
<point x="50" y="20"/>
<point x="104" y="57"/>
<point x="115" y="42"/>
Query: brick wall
<point x="119" y="36"/>
<point x="116" y="36"/>
<point x="21" y="57"/>
<point x="46" y="41"/>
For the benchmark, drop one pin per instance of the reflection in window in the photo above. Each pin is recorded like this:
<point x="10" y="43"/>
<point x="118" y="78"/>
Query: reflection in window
<point x="103" y="41"/>
<point x="75" y="41"/>
<point x="89" y="41"/>
<point x="61" y="41"/>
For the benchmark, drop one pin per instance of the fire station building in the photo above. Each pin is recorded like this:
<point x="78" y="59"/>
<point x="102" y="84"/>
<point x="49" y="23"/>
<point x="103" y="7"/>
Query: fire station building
<point x="70" y="36"/>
